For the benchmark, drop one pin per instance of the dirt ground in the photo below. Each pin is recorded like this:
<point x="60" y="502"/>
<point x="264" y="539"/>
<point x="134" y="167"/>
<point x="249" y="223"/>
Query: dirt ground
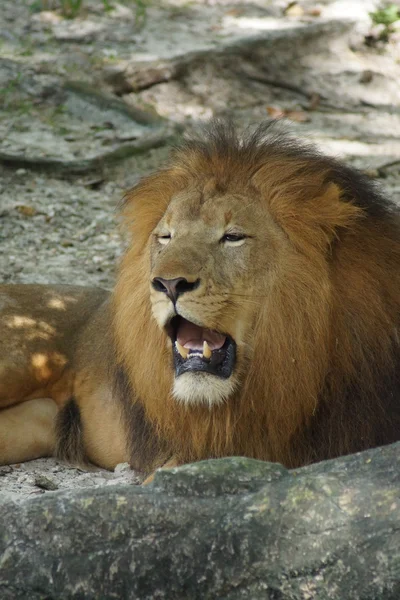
<point x="90" y="104"/>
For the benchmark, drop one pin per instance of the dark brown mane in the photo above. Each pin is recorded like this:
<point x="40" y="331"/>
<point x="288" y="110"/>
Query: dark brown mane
<point x="219" y="142"/>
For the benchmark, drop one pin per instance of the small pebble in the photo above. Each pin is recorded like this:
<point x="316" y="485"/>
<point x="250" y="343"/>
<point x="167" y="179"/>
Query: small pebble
<point x="45" y="483"/>
<point x="122" y="468"/>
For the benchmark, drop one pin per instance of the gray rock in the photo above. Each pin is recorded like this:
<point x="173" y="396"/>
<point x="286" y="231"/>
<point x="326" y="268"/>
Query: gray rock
<point x="69" y="127"/>
<point x="231" y="528"/>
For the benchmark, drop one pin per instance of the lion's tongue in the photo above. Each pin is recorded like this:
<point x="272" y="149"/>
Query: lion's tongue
<point x="192" y="337"/>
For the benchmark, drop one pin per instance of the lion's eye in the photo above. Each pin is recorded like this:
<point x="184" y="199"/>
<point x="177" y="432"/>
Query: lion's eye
<point x="164" y="239"/>
<point x="233" y="239"/>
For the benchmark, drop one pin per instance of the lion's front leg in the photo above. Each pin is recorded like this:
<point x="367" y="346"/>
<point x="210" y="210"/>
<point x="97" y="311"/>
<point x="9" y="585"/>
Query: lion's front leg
<point x="170" y="464"/>
<point x="27" y="431"/>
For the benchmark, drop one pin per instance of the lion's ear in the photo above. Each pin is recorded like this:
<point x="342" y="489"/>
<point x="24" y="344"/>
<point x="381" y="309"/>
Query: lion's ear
<point x="330" y="212"/>
<point x="318" y="219"/>
<point x="145" y="204"/>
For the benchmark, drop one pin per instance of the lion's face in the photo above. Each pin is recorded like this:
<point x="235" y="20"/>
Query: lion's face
<point x="212" y="255"/>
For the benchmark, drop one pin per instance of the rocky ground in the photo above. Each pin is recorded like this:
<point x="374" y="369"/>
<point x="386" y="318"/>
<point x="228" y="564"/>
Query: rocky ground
<point x="88" y="105"/>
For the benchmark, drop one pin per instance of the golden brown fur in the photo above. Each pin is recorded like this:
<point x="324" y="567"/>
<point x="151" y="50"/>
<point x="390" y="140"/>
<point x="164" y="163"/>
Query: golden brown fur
<point x="311" y="298"/>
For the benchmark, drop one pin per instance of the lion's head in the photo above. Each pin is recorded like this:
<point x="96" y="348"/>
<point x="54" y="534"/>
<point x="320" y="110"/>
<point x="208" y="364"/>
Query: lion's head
<point x="249" y="289"/>
<point x="209" y="270"/>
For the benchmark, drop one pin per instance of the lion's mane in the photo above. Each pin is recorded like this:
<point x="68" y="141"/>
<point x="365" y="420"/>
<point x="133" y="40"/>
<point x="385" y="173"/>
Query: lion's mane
<point x="325" y="377"/>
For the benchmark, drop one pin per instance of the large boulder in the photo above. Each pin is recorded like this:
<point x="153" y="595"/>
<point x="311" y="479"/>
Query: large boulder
<point x="232" y="528"/>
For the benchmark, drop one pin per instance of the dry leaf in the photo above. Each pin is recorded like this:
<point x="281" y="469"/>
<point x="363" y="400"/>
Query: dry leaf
<point x="371" y="173"/>
<point x="294" y="115"/>
<point x="234" y="12"/>
<point x="27" y="211"/>
<point x="298" y="116"/>
<point x="294" y="10"/>
<point x="275" y="113"/>
<point x="366" y="76"/>
<point x="315" y="99"/>
<point x="314" y="12"/>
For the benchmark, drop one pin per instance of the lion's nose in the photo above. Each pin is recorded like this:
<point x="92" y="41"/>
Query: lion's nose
<point x="174" y="287"/>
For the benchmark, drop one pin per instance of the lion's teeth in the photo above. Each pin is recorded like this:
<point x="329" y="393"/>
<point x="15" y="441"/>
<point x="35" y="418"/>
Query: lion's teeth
<point x="184" y="352"/>
<point x="188" y="353"/>
<point x="207" y="352"/>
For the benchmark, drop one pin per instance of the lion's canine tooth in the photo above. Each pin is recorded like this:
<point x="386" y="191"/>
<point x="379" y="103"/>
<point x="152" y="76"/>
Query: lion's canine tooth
<point x="207" y="352"/>
<point x="184" y="352"/>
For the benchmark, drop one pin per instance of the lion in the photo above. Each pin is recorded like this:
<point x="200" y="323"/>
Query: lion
<point x="256" y="312"/>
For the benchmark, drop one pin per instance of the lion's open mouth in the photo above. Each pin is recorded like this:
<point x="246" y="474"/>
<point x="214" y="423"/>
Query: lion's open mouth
<point x="198" y="349"/>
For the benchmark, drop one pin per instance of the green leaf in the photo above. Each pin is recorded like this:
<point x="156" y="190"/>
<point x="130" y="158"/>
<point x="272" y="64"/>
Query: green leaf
<point x="386" y="16"/>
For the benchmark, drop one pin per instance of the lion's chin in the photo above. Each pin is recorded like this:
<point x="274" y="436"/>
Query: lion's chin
<point x="204" y="362"/>
<point x="202" y="388"/>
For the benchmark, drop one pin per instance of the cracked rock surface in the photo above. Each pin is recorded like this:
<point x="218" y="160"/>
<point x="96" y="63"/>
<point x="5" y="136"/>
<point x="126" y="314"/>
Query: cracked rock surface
<point x="232" y="528"/>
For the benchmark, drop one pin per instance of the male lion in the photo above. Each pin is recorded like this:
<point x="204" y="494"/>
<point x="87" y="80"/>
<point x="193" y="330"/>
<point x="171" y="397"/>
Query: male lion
<point x="256" y="313"/>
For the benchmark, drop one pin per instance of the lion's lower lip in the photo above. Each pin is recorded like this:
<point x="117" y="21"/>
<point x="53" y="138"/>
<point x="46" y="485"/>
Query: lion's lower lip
<point x="221" y="363"/>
